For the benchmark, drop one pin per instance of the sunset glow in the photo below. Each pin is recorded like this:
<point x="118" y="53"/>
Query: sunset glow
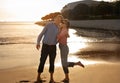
<point x="29" y="10"/>
<point x="25" y="10"/>
<point x="79" y="43"/>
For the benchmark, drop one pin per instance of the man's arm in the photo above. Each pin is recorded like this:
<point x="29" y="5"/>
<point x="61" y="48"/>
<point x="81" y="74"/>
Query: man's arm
<point x="40" y="37"/>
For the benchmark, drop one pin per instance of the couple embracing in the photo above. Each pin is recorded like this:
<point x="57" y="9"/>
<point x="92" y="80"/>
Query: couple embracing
<point x="55" y="32"/>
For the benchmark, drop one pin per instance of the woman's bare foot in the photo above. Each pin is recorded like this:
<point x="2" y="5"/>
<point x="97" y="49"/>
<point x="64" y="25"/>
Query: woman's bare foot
<point x="52" y="81"/>
<point x="80" y="64"/>
<point x="65" y="80"/>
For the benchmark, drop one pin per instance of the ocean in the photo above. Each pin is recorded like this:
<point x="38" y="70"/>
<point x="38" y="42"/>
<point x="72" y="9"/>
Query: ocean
<point x="17" y="42"/>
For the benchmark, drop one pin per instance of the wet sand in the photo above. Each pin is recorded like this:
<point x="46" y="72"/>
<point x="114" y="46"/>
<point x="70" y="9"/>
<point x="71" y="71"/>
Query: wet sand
<point x="20" y="63"/>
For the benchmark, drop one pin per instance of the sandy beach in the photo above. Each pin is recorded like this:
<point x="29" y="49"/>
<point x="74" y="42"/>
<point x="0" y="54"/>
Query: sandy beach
<point x="95" y="43"/>
<point x="98" y="73"/>
<point x="105" y="72"/>
<point x="19" y="58"/>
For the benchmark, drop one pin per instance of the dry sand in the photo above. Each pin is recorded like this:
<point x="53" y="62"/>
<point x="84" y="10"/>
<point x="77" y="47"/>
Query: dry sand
<point x="98" y="73"/>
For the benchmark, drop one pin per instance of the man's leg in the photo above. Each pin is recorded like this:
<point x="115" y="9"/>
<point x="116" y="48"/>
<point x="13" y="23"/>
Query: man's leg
<point x="44" y="54"/>
<point x="52" y="56"/>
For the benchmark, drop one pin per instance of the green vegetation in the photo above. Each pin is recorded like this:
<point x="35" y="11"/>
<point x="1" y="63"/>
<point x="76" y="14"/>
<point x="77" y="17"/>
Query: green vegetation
<point x="50" y="16"/>
<point x="47" y="18"/>
<point x="102" y="10"/>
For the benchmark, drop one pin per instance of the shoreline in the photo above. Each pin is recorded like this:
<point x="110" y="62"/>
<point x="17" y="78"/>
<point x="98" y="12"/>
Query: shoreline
<point x="105" y="24"/>
<point x="18" y="54"/>
<point x="98" y="24"/>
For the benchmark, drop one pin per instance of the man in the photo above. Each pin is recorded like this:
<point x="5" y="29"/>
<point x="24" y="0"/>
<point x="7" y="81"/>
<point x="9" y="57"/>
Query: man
<point x="50" y="33"/>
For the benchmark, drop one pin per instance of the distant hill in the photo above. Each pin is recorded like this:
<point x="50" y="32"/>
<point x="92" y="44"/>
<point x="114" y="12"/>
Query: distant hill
<point x="91" y="10"/>
<point x="73" y="4"/>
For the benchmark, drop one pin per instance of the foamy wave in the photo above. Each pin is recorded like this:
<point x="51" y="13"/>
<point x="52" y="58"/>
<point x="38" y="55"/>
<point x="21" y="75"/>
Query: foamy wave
<point x="15" y="40"/>
<point x="99" y="34"/>
<point x="7" y="43"/>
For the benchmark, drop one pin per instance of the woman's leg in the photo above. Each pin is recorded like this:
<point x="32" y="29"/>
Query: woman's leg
<point x="64" y="55"/>
<point x="72" y="64"/>
<point x="79" y="64"/>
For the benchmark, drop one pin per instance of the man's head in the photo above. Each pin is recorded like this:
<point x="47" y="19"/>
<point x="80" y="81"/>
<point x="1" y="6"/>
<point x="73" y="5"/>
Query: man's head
<point x="58" y="19"/>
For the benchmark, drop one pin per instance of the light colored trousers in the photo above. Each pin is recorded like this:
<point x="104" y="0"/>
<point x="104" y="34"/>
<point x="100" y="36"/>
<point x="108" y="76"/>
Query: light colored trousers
<point x="64" y="50"/>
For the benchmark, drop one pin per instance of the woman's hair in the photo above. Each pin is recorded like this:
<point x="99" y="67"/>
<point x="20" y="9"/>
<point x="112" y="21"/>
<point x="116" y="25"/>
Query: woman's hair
<point x="67" y="22"/>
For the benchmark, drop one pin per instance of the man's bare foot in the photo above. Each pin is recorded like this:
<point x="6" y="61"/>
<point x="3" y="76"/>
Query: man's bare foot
<point x="80" y="64"/>
<point x="52" y="81"/>
<point x="40" y="81"/>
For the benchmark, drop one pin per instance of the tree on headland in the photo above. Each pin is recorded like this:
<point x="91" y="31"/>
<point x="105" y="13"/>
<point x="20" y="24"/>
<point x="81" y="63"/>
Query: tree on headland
<point x="50" y="16"/>
<point x="104" y="8"/>
<point x="81" y="11"/>
<point x="100" y="10"/>
<point x="117" y="8"/>
<point x="47" y="18"/>
<point x="68" y="14"/>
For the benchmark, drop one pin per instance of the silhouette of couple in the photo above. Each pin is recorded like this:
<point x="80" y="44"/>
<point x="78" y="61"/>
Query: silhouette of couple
<point x="53" y="33"/>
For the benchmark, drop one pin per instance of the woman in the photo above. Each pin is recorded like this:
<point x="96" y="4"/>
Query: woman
<point x="64" y="50"/>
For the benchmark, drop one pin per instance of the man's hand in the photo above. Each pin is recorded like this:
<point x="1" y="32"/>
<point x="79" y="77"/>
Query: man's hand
<point x="38" y="47"/>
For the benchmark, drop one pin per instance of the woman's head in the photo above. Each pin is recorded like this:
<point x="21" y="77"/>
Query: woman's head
<point x="66" y="23"/>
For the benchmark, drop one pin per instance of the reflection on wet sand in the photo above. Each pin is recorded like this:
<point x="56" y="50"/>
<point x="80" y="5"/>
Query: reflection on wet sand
<point x="82" y="48"/>
<point x="75" y="42"/>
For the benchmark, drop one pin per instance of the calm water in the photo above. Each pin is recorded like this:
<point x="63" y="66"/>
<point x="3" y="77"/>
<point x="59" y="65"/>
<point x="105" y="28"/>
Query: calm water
<point x="83" y="44"/>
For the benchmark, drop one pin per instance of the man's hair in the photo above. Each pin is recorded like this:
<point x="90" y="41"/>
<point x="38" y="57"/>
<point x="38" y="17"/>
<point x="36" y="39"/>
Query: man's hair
<point x="59" y="15"/>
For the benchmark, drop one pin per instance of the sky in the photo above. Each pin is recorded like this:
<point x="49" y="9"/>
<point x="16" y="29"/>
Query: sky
<point x="29" y="10"/>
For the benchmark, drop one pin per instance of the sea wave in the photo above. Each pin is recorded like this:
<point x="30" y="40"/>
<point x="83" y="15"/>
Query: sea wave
<point x="15" y="40"/>
<point x="99" y="24"/>
<point x="103" y="35"/>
